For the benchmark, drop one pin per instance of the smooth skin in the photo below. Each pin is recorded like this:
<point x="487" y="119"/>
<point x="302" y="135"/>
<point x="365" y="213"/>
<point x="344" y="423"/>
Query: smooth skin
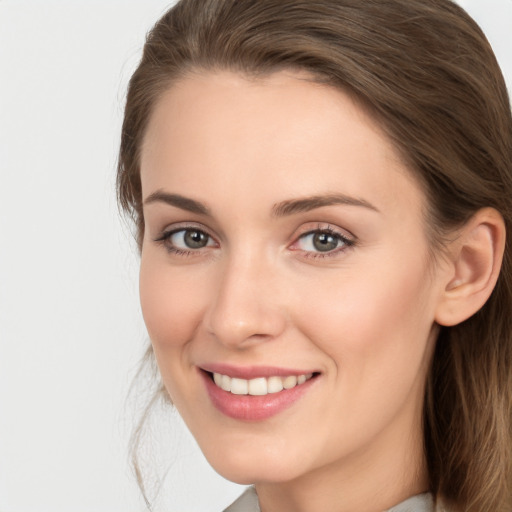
<point x="236" y="276"/>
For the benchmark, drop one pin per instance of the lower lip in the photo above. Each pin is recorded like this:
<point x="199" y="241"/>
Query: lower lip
<point x="253" y="408"/>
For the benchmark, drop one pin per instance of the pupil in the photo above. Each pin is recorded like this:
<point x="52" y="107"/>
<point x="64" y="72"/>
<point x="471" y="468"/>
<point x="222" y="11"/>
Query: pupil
<point x="324" y="242"/>
<point x="195" y="239"/>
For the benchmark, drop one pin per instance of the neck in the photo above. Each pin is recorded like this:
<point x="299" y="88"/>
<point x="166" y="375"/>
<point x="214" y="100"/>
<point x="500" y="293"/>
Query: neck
<point x="377" y="477"/>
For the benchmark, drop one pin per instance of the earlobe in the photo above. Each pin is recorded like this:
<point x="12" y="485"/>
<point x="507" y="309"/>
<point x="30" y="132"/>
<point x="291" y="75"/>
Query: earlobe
<point x="474" y="265"/>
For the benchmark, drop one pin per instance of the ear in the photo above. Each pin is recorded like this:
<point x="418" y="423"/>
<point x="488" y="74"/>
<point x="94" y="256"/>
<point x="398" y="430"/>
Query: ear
<point x="474" y="264"/>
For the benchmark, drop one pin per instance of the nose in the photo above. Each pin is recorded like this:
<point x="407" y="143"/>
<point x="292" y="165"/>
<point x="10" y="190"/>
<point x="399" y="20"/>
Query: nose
<point x="246" y="307"/>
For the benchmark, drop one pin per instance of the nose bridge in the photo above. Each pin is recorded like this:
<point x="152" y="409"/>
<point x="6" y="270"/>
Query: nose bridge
<point x="245" y="308"/>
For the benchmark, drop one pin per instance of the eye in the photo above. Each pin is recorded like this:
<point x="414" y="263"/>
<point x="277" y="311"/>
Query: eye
<point x="189" y="239"/>
<point x="186" y="240"/>
<point x="322" y="242"/>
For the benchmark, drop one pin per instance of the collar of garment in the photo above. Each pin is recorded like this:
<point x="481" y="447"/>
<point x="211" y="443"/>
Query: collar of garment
<point x="248" y="502"/>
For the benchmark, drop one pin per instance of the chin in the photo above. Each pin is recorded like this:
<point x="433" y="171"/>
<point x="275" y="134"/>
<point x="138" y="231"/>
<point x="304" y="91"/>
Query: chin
<point x="248" y="468"/>
<point x="250" y="475"/>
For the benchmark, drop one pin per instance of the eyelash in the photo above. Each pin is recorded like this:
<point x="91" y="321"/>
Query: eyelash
<point x="347" y="243"/>
<point x="165" y="237"/>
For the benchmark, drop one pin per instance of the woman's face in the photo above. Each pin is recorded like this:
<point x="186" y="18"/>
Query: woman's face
<point x="284" y="241"/>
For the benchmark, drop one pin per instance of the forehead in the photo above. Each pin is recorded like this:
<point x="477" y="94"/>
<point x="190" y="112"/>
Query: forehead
<point x="284" y="135"/>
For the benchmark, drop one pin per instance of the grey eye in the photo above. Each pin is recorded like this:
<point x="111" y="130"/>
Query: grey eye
<point x="189" y="239"/>
<point x="321" y="242"/>
<point x="195" y="239"/>
<point x="325" y="242"/>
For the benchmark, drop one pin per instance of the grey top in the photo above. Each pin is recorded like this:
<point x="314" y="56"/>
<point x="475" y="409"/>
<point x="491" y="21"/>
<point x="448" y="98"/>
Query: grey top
<point x="248" y="502"/>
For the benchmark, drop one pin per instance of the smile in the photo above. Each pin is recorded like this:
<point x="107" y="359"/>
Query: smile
<point x="263" y="393"/>
<point x="260" y="386"/>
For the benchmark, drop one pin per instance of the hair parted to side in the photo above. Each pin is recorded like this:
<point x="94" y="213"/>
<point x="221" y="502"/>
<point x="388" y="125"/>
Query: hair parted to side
<point x="427" y="73"/>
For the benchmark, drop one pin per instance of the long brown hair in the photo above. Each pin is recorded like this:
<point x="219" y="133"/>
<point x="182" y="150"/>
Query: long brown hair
<point x="427" y="73"/>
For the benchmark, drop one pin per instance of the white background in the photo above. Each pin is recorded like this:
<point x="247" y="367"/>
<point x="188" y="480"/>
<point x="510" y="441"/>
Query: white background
<point x="70" y="326"/>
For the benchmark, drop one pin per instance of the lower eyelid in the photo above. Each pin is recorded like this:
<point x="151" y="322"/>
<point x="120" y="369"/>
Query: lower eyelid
<point x="165" y="240"/>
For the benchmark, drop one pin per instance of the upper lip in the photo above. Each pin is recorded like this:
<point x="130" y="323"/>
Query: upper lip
<point x="252" y="372"/>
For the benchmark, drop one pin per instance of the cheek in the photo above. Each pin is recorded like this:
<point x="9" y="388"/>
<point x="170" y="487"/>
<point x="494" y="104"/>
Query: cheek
<point x="171" y="303"/>
<point x="371" y="318"/>
<point x="374" y="327"/>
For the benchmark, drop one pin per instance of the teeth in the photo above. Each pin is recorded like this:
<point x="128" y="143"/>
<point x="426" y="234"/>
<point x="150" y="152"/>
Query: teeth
<point x="257" y="387"/>
<point x="289" y="382"/>
<point x="238" y="386"/>
<point x="275" y="384"/>
<point x="260" y="386"/>
<point x="225" y="383"/>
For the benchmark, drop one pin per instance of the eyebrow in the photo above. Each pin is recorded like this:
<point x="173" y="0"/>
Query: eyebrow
<point x="306" y="204"/>
<point x="282" y="209"/>
<point x="182" y="202"/>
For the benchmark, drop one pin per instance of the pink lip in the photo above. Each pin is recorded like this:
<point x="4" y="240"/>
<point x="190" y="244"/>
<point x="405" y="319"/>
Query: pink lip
<point x="253" y="408"/>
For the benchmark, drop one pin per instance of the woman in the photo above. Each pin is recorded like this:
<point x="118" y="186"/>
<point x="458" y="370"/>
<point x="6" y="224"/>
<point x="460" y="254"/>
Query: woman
<point x="321" y="192"/>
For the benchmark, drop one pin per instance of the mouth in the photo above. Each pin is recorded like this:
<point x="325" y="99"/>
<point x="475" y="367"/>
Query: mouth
<point x="259" y="386"/>
<point x="258" y="397"/>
